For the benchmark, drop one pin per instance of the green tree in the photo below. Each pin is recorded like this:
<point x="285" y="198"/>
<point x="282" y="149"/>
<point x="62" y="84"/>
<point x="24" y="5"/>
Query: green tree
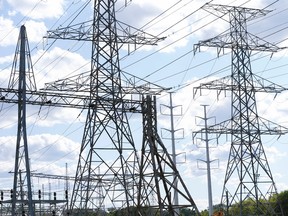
<point x="282" y="200"/>
<point x="187" y="212"/>
<point x="248" y="208"/>
<point x="204" y="213"/>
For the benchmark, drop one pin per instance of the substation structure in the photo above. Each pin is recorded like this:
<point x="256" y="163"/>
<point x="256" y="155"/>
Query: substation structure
<point x="112" y="171"/>
<point x="247" y="162"/>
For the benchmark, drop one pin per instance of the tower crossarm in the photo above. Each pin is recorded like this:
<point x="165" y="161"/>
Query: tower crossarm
<point x="126" y="34"/>
<point x="51" y="176"/>
<point x="221" y="10"/>
<point x="81" y="83"/>
<point x="266" y="127"/>
<point x="65" y="99"/>
<point x="227" y="41"/>
<point x="225" y="84"/>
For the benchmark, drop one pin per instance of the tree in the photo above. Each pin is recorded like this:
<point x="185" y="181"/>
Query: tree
<point x="282" y="200"/>
<point x="187" y="212"/>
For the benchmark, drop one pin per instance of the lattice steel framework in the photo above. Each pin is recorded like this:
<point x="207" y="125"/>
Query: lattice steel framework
<point x="107" y="160"/>
<point x="109" y="170"/>
<point x="247" y="163"/>
<point x="158" y="172"/>
<point x="71" y="92"/>
<point x="22" y="76"/>
<point x="108" y="167"/>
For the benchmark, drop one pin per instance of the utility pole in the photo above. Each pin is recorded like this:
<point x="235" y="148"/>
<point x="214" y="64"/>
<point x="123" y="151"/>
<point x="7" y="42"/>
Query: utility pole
<point x="172" y="131"/>
<point x="207" y="161"/>
<point x="247" y="159"/>
<point x="208" y="164"/>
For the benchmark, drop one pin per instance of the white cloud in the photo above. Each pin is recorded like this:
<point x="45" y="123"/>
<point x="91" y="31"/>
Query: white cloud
<point x="9" y="34"/>
<point x="6" y="60"/>
<point x="50" y="116"/>
<point x="42" y="147"/>
<point x="38" y="9"/>
<point x="58" y="64"/>
<point x="49" y="152"/>
<point x="35" y="31"/>
<point x="273" y="154"/>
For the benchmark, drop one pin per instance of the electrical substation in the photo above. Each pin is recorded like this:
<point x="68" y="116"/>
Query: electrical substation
<point x="113" y="171"/>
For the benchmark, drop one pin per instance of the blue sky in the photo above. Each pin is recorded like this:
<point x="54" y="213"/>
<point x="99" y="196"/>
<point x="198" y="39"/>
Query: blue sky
<point x="55" y="134"/>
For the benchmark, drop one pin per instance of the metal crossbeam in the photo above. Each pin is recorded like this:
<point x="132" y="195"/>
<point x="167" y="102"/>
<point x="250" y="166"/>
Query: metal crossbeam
<point x="266" y="127"/>
<point x="126" y="34"/>
<point x="259" y="84"/>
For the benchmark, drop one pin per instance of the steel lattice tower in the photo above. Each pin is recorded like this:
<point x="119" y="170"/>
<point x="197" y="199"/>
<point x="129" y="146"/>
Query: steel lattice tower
<point x="22" y="76"/>
<point x="106" y="130"/>
<point x="109" y="170"/>
<point x="247" y="161"/>
<point x="158" y="171"/>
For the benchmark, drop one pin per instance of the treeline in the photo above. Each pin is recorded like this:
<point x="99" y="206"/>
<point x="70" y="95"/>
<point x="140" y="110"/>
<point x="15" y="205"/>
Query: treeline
<point x="248" y="208"/>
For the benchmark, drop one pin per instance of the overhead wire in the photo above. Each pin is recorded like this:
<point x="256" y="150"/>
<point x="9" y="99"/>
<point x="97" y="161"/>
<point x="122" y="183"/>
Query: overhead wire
<point x="75" y="14"/>
<point x="166" y="46"/>
<point x="173" y="62"/>
<point x="166" y="15"/>
<point x="51" y="44"/>
<point x="209" y="75"/>
<point x="219" y="71"/>
<point x="23" y="18"/>
<point x="33" y="64"/>
<point x="60" y="136"/>
<point x="175" y="74"/>
<point x="149" y="55"/>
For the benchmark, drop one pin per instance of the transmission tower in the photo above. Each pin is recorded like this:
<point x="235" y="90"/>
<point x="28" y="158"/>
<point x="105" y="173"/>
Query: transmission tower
<point x="110" y="171"/>
<point x="158" y="170"/>
<point x="71" y="92"/>
<point x="247" y="161"/>
<point x="22" y="76"/>
<point x="108" y="152"/>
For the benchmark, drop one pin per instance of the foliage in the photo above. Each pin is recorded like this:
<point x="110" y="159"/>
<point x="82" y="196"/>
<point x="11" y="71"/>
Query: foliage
<point x="283" y="200"/>
<point x="250" y="207"/>
<point x="149" y="211"/>
<point x="134" y="211"/>
<point x="187" y="212"/>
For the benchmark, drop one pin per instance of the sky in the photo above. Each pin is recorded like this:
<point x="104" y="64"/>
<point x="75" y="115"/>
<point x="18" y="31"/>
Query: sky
<point x="54" y="134"/>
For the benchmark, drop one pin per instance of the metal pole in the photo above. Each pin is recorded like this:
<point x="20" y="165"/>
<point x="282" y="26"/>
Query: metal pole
<point x="176" y="199"/>
<point x="208" y="164"/>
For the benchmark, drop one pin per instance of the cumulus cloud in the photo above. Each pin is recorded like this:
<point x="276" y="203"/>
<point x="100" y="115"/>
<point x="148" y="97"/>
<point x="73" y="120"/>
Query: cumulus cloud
<point x="35" y="31"/>
<point x="48" y="154"/>
<point x="44" y="149"/>
<point x="9" y="33"/>
<point x="57" y="64"/>
<point x="38" y="9"/>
